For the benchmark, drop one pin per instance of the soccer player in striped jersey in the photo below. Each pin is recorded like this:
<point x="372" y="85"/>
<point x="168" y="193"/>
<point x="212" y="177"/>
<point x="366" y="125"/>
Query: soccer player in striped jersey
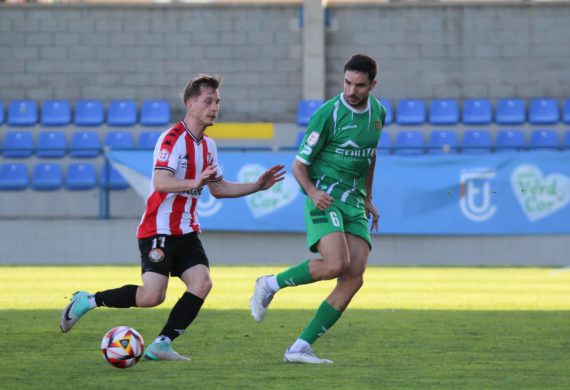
<point x="185" y="160"/>
<point x="335" y="168"/>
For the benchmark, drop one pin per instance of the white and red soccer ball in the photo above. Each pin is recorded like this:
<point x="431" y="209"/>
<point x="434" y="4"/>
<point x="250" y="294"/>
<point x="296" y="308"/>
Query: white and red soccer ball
<point x="122" y="347"/>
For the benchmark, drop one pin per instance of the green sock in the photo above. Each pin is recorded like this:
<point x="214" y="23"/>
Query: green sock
<point x="295" y="276"/>
<point x="324" y="319"/>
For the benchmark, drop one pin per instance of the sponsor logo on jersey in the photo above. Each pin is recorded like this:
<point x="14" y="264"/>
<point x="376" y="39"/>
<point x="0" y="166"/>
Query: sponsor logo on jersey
<point x="313" y="139"/>
<point x="307" y="150"/>
<point x="352" y="149"/>
<point x="348" y="127"/>
<point x="163" y="155"/>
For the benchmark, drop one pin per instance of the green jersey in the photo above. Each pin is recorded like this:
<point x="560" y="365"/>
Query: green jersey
<point x="339" y="145"/>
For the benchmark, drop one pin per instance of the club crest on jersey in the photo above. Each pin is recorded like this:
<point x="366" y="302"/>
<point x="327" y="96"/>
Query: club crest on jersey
<point x="156" y="255"/>
<point x="210" y="158"/>
<point x="163" y="155"/>
<point x="377" y="124"/>
<point x="313" y="138"/>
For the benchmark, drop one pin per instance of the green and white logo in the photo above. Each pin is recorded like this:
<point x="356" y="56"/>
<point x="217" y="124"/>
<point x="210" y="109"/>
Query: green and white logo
<point x="271" y="200"/>
<point x="539" y="196"/>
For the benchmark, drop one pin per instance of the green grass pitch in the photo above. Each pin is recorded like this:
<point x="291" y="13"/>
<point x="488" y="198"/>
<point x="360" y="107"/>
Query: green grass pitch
<point x="408" y="328"/>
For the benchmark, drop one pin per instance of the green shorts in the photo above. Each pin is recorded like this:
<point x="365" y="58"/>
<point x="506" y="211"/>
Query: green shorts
<point x="338" y="217"/>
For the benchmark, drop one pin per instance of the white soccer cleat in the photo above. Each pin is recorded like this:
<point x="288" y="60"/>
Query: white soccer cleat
<point x="261" y="298"/>
<point x="305" y="355"/>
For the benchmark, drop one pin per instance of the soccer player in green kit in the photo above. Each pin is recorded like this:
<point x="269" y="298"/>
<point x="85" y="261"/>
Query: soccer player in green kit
<point x="335" y="167"/>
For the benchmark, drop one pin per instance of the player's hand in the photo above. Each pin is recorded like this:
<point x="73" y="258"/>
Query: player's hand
<point x="206" y="175"/>
<point x="321" y="199"/>
<point x="371" y="212"/>
<point x="270" y="177"/>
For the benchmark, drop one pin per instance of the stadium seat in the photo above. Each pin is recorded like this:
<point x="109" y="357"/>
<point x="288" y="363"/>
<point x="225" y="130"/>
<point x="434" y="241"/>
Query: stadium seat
<point x="409" y="142"/>
<point x="112" y="179"/>
<point x="544" y="140"/>
<point x="148" y="138"/>
<point x="81" y="176"/>
<point x="85" y="144"/>
<point x="299" y="139"/>
<point x="510" y="112"/>
<point x="18" y="144"/>
<point x="411" y="112"/>
<point x="1" y="113"/>
<point x="119" y="140"/>
<point x="385" y="143"/>
<point x="566" y="111"/>
<point x="23" y="113"/>
<point x="122" y="113"/>
<point x="155" y="113"/>
<point x="89" y="113"/>
<point x="477" y="112"/>
<point x="566" y="143"/>
<point x="443" y="112"/>
<point x="389" y="111"/>
<point x="51" y="144"/>
<point x="476" y="142"/>
<point x="509" y="141"/>
<point x="442" y="141"/>
<point x="14" y="176"/>
<point x="543" y="111"/>
<point x="47" y="177"/>
<point x="305" y="110"/>
<point x="56" y="113"/>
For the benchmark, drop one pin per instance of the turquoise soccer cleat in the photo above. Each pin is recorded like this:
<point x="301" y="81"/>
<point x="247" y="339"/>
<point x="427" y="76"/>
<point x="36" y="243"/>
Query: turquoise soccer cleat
<point x="77" y="307"/>
<point x="161" y="350"/>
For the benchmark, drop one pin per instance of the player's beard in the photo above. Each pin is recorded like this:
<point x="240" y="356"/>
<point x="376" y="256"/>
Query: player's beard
<point x="360" y="102"/>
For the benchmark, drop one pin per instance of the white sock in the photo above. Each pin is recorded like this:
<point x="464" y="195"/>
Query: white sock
<point x="160" y="339"/>
<point x="272" y="283"/>
<point x="299" y="345"/>
<point x="91" y="300"/>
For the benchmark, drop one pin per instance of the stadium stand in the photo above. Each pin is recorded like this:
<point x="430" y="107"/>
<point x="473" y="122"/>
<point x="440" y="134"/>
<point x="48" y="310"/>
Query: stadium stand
<point x="1" y="113"/>
<point x="509" y="141"/>
<point x="51" y="144"/>
<point x="81" y="176"/>
<point x="122" y="113"/>
<point x="444" y="112"/>
<point x="389" y="111"/>
<point x="409" y="142"/>
<point x="305" y="109"/>
<point x="111" y="179"/>
<point x="14" y="176"/>
<point x="476" y="142"/>
<point x="543" y="139"/>
<point x="148" y="138"/>
<point x="410" y="112"/>
<point x="55" y="113"/>
<point x="18" y="144"/>
<point x="510" y="112"/>
<point x="85" y="144"/>
<point x="566" y="143"/>
<point x="89" y="113"/>
<point x="47" y="177"/>
<point x="385" y="144"/>
<point x="155" y="113"/>
<point x="119" y="140"/>
<point x="566" y="111"/>
<point x="22" y="113"/>
<point x="442" y="141"/>
<point x="543" y="111"/>
<point x="300" y="136"/>
<point x="477" y="112"/>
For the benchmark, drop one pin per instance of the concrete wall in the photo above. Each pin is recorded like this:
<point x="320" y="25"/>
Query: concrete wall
<point x="143" y="51"/>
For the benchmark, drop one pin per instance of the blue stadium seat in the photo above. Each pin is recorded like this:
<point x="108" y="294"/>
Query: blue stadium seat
<point x="543" y="111"/>
<point x="444" y="112"/>
<point x="476" y="142"/>
<point x="148" y="138"/>
<point x="56" y="113"/>
<point x="1" y="113"/>
<point x="47" y="177"/>
<point x="567" y="140"/>
<point x="442" y="141"/>
<point x="509" y="141"/>
<point x="411" y="112"/>
<point x="409" y="142"/>
<point x="119" y="140"/>
<point x="385" y="144"/>
<point x="477" y="112"/>
<point x="305" y="110"/>
<point x="566" y="111"/>
<point x="51" y="144"/>
<point x="112" y="179"/>
<point x="389" y="111"/>
<point x="81" y="176"/>
<point x="122" y="113"/>
<point x="155" y="113"/>
<point x="510" y="112"/>
<point x="299" y="139"/>
<point x="89" y="113"/>
<point x="14" y="176"/>
<point x="542" y="139"/>
<point x="18" y="144"/>
<point x="85" y="144"/>
<point x="22" y="113"/>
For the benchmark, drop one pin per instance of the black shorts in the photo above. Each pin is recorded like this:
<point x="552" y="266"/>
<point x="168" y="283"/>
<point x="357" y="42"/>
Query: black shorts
<point x="171" y="255"/>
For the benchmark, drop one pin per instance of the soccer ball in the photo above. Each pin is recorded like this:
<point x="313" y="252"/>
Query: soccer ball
<point x="122" y="347"/>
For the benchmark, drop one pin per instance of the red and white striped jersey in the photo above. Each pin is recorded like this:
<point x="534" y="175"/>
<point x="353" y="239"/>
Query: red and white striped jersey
<point x="178" y="151"/>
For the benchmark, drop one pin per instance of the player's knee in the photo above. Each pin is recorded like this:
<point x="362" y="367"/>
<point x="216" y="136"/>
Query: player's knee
<point x="150" y="299"/>
<point x="203" y="287"/>
<point x="338" y="267"/>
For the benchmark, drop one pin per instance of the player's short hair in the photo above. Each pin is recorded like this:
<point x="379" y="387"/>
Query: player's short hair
<point x="362" y="63"/>
<point x="194" y="86"/>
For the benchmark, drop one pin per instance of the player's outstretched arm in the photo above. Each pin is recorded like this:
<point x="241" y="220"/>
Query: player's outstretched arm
<point x="165" y="181"/>
<point x="228" y="189"/>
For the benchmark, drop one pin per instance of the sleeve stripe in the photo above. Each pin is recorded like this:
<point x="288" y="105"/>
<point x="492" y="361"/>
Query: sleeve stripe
<point x="302" y="160"/>
<point x="216" y="179"/>
<point x="165" y="168"/>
